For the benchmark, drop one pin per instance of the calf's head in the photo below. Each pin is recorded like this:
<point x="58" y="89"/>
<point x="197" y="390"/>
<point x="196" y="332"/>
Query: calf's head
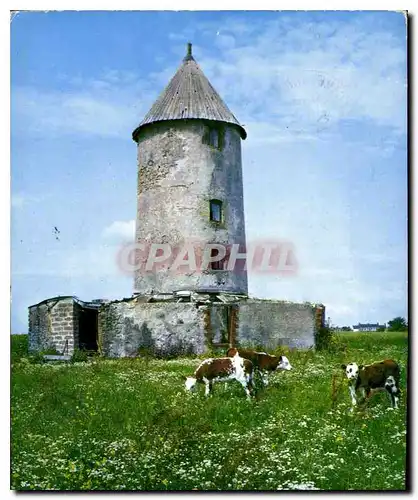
<point x="351" y="370"/>
<point x="190" y="383"/>
<point x="283" y="364"/>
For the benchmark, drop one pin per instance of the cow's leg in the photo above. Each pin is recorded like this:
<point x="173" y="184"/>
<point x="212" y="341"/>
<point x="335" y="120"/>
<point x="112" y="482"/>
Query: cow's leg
<point x="389" y="393"/>
<point x="366" y="392"/>
<point x="250" y="384"/>
<point x="245" y="384"/>
<point x="388" y="386"/>
<point x="393" y="391"/>
<point x="395" y="399"/>
<point x="396" y="393"/>
<point x="208" y="386"/>
<point x="353" y="395"/>
<point x="264" y="378"/>
<point x="391" y="397"/>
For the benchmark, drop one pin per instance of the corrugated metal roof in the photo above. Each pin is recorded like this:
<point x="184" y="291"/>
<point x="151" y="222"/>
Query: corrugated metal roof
<point x="92" y="305"/>
<point x="189" y="95"/>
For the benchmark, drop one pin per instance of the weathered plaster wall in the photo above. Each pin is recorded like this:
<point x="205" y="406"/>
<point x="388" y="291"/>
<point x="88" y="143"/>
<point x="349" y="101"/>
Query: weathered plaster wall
<point x="272" y="323"/>
<point x="130" y="327"/>
<point x="51" y="324"/>
<point x="177" y="177"/>
<point x="164" y="329"/>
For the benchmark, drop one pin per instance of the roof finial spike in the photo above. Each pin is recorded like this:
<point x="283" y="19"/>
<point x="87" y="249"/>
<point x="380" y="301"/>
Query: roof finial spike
<point x="189" y="56"/>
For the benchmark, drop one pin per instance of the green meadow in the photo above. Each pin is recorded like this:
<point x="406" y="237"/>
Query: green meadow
<point x="128" y="424"/>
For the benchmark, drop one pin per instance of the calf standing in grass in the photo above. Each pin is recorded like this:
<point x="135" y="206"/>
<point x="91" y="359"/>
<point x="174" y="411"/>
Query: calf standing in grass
<point x="263" y="363"/>
<point x="381" y="375"/>
<point x="222" y="370"/>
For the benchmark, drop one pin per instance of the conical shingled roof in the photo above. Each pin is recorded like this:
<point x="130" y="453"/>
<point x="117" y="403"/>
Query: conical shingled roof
<point x="189" y="95"/>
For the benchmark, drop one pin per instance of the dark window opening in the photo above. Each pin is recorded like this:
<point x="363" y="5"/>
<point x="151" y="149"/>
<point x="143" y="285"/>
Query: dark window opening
<point x="215" y="210"/>
<point x="224" y="330"/>
<point x="214" y="136"/>
<point x="219" y="265"/>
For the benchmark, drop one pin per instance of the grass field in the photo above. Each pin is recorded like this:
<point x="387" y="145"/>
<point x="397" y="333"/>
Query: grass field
<point x="129" y="425"/>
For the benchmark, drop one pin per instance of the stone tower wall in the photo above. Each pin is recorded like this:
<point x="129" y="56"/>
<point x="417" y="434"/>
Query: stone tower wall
<point x="178" y="175"/>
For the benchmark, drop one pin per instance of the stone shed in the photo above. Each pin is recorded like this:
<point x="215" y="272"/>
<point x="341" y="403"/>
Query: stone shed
<point x="64" y="324"/>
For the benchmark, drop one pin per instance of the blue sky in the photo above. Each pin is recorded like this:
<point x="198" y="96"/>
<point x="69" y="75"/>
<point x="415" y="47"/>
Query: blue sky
<point x="322" y="96"/>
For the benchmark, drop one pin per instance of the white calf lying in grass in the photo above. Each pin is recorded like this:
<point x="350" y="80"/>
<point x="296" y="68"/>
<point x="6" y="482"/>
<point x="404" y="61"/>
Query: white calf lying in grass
<point x="222" y="370"/>
<point x="381" y="375"/>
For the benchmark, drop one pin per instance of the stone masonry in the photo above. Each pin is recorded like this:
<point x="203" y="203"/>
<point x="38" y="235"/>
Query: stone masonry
<point x="269" y="323"/>
<point x="56" y="324"/>
<point x="131" y="328"/>
<point x="53" y="324"/>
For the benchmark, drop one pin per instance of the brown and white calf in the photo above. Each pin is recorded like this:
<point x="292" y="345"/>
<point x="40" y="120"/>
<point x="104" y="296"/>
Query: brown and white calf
<point x="222" y="370"/>
<point x="380" y="375"/>
<point x="263" y="363"/>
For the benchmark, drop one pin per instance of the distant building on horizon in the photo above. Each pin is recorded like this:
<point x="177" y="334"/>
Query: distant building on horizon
<point x="342" y="328"/>
<point x="368" y="327"/>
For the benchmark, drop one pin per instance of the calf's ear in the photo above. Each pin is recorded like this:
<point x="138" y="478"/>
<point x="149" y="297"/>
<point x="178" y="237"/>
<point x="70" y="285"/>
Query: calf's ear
<point x="343" y="367"/>
<point x="361" y="367"/>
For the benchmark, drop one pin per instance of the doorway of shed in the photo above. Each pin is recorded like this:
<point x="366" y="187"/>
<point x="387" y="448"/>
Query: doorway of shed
<point x="88" y="329"/>
<point x="223" y="325"/>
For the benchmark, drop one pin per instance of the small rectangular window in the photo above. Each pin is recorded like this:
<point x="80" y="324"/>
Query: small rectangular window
<point x="220" y="265"/>
<point x="217" y="265"/>
<point x="214" y="137"/>
<point x="215" y="210"/>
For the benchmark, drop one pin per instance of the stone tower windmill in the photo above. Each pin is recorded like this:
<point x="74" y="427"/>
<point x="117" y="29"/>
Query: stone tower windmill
<point x="190" y="188"/>
<point x="190" y="197"/>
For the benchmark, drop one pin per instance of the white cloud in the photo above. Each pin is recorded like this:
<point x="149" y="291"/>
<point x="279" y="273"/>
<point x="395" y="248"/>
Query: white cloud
<point x="301" y="78"/>
<point x="346" y="300"/>
<point x="271" y="133"/>
<point x="120" y="230"/>
<point x="85" y="260"/>
<point x="20" y="200"/>
<point x="111" y="105"/>
<point x="81" y="264"/>
<point x="308" y="77"/>
<point x="61" y="113"/>
<point x="93" y="261"/>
